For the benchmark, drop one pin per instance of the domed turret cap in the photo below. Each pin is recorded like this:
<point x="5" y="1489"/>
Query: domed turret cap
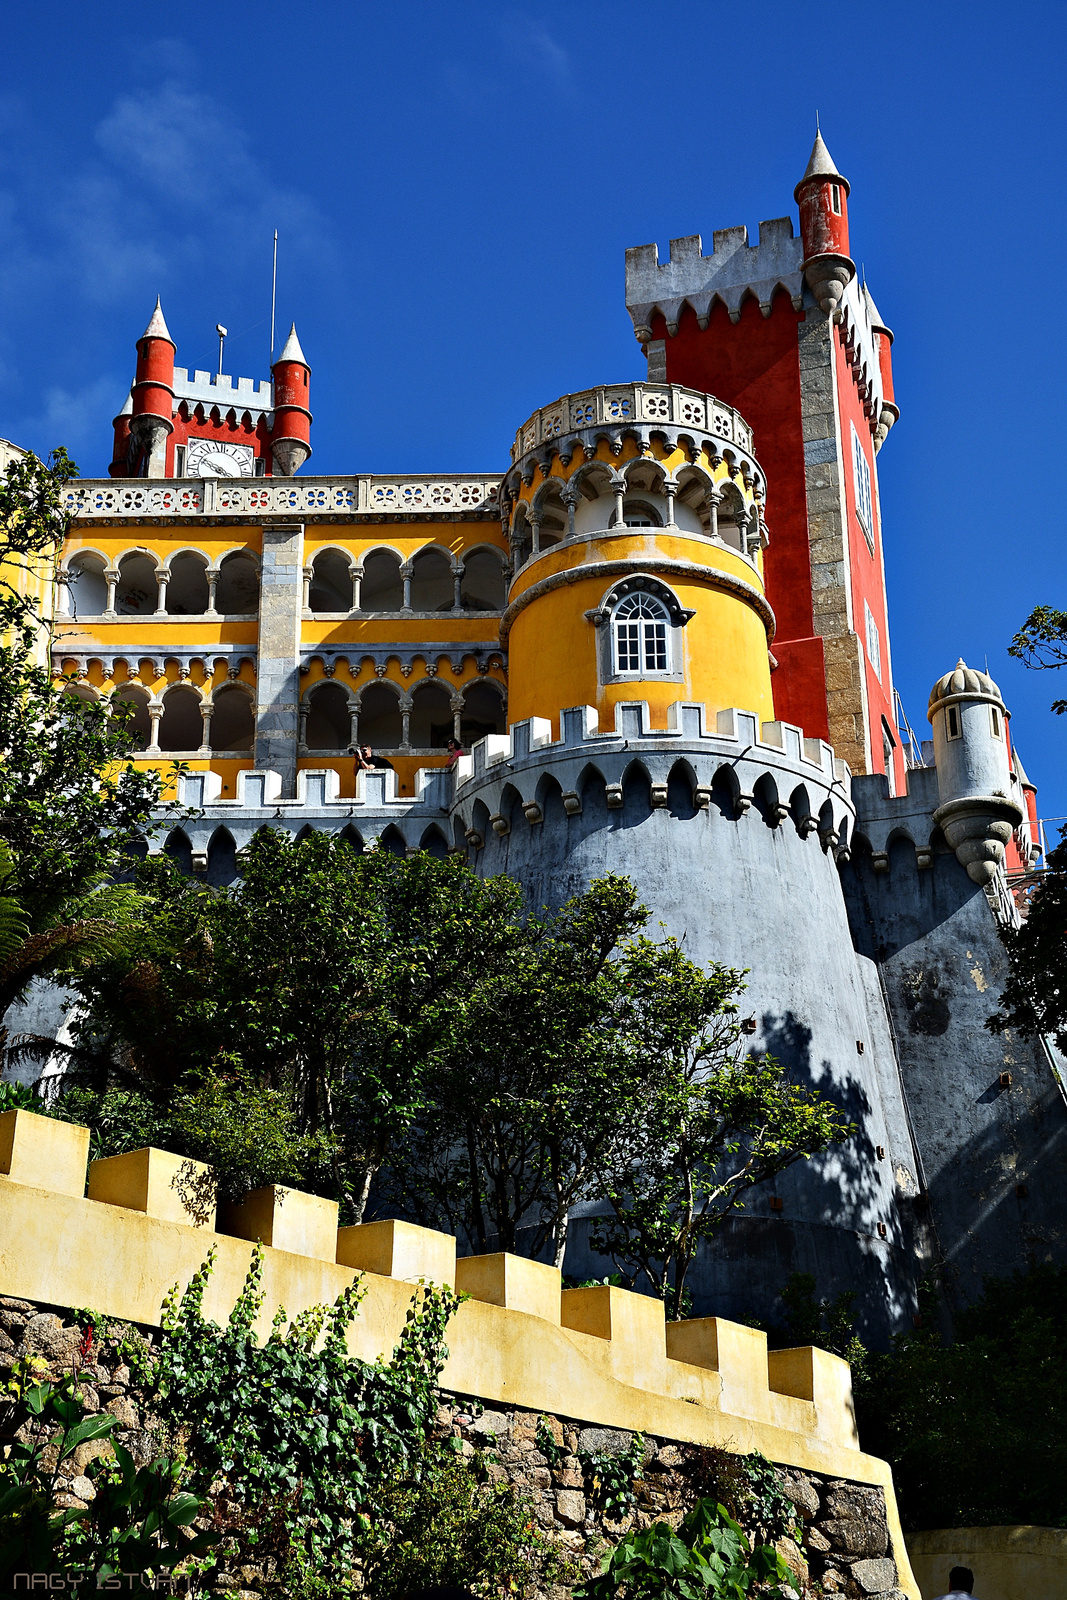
<point x="964" y="683"/>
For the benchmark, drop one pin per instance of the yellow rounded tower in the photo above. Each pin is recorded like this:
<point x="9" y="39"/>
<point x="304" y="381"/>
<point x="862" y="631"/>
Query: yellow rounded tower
<point x="634" y="515"/>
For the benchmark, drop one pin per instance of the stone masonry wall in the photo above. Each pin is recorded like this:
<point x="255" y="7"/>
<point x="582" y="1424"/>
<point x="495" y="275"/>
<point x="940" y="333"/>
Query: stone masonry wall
<point x="551" y="1461"/>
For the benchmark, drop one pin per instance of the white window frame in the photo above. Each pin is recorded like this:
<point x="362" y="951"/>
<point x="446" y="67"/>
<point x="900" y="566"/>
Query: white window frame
<point x="861" y="472"/>
<point x="874" y="640"/>
<point x="952" y="717"/>
<point x="647" y="636"/>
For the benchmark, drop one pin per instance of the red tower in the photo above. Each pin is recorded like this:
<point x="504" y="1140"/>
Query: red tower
<point x="151" y="422"/>
<point x="291" y="435"/>
<point x="784" y="331"/>
<point x="174" y="425"/>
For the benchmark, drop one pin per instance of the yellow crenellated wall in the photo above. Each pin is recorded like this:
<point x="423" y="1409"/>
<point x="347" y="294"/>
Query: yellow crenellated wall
<point x="597" y="1355"/>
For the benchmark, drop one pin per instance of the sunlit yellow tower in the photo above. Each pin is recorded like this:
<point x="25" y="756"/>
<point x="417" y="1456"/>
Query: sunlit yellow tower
<point x="635" y="520"/>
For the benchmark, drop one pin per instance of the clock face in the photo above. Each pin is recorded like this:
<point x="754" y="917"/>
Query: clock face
<point x="212" y="458"/>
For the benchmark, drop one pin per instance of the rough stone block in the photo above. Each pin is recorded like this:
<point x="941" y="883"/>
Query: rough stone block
<point x="395" y="1249"/>
<point x="511" y="1281"/>
<point x="43" y="1152"/>
<point x="874" y="1577"/>
<point x="156" y="1183"/>
<point x="286" y="1219"/>
<point x="570" y="1507"/>
<point x="603" y="1441"/>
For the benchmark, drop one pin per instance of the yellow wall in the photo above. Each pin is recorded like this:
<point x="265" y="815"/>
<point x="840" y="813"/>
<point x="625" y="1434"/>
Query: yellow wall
<point x="596" y="1355"/>
<point x="553" y="648"/>
<point x="1008" y="1563"/>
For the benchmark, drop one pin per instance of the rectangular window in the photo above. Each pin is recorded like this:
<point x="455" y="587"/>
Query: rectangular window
<point x="179" y="461"/>
<point x="628" y="637"/>
<point x="655" y="647"/>
<point x="874" y="643"/>
<point x="888" y="743"/>
<point x="994" y="717"/>
<point x="835" y="199"/>
<point x="864" y="503"/>
<point x="953" y="722"/>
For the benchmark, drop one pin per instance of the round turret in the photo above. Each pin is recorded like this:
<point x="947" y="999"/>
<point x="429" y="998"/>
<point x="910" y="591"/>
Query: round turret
<point x="291" y="435"/>
<point x="152" y="419"/>
<point x="977" y="812"/>
<point x="634" y="515"/>
<point x="883" y="338"/>
<point x="822" y="195"/>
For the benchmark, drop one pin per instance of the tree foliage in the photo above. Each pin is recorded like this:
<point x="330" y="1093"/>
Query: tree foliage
<point x="958" y="1421"/>
<point x="1041" y="643"/>
<point x="708" y="1121"/>
<point x="1035" y="996"/>
<point x="707" y="1557"/>
<point x="71" y="803"/>
<point x="370" y="1022"/>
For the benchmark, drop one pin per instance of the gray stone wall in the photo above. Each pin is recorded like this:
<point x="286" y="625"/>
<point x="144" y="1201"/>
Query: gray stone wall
<point x="989" y="1113"/>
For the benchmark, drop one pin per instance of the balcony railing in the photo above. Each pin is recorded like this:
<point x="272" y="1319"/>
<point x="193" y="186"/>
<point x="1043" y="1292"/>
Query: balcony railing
<point x="255" y="498"/>
<point x="642" y="404"/>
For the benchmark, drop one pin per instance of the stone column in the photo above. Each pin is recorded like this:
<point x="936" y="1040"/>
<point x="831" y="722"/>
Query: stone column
<point x="405" y="573"/>
<point x="162" y="579"/>
<point x="456" y="707"/>
<point x="670" y="489"/>
<point x="457" y="586"/>
<point x="112" y="576"/>
<point x="535" y="536"/>
<point x="278" y="670"/>
<point x="356" y="574"/>
<point x="306" y="577"/>
<point x="154" y="715"/>
<point x="713" y="497"/>
<point x="570" y="500"/>
<point x="207" y="711"/>
<point x="212" y="585"/>
<point x="405" y="722"/>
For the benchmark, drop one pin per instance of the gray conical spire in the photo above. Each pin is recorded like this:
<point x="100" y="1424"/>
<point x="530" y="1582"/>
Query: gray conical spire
<point x="292" y="350"/>
<point x="157" y="325"/>
<point x="821" y="164"/>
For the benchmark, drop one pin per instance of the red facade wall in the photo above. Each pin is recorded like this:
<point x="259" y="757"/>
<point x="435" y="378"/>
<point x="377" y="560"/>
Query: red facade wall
<point x="866" y="571"/>
<point x="754" y="364"/>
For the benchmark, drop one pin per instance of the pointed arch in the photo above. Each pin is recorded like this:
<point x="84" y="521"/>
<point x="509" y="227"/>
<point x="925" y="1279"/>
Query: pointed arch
<point x="681" y="791"/>
<point x="221" y="859"/>
<point x="434" y="843"/>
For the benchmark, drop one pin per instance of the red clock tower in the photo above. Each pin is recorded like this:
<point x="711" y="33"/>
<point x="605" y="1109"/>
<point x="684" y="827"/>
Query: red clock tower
<point x="177" y="426"/>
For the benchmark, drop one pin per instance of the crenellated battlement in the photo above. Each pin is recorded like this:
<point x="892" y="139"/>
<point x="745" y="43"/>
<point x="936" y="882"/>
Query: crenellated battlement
<point x="732" y="752"/>
<point x="601" y="1355"/>
<point x="733" y="270"/>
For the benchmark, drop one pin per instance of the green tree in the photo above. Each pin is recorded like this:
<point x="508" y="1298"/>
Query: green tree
<point x="327" y="985"/>
<point x="706" y="1120"/>
<point x="71" y="803"/>
<point x="1041" y="643"/>
<point x="976" y="1430"/>
<point x="529" y="1094"/>
<point x="1035" y="996"/>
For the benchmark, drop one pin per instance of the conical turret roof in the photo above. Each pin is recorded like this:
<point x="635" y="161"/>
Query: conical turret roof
<point x="291" y="350"/>
<point x="820" y="165"/>
<point x="157" y="325"/>
<point x="874" y="314"/>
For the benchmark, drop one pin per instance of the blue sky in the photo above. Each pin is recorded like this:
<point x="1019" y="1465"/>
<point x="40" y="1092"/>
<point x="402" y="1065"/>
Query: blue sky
<point x="455" y="186"/>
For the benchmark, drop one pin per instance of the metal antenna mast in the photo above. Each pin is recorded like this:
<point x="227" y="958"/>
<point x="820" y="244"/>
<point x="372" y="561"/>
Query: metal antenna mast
<point x="273" y="296"/>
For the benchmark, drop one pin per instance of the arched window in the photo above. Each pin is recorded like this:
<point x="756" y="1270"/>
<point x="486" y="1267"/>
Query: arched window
<point x="187" y="589"/>
<point x="331" y="582"/>
<point x="233" y="722"/>
<point x="138" y="591"/>
<point x="432" y="583"/>
<point x="181" y="726"/>
<point x="383" y="587"/>
<point x="237" y="593"/>
<point x="329" y="719"/>
<point x="86" y="587"/>
<point x="640" y="636"/>
<point x="639" y="514"/>
<point x="139" y="723"/>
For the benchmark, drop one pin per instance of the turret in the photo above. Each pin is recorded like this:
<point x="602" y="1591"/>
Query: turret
<point x="883" y="338"/>
<point x="977" y="812"/>
<point x="822" y="195"/>
<point x="291" y="436"/>
<point x="152" y="420"/>
<point x="120" y="459"/>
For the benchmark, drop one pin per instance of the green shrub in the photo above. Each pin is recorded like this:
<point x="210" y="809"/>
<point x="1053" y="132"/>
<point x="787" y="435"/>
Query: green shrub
<point x="707" y="1557"/>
